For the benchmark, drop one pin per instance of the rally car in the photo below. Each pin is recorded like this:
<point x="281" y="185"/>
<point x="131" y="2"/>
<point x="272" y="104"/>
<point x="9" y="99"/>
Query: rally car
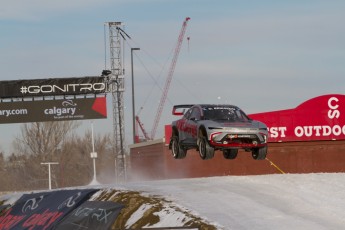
<point x="209" y="127"/>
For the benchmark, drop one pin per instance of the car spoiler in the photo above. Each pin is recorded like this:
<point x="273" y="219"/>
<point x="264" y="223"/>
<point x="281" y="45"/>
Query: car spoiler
<point x="179" y="110"/>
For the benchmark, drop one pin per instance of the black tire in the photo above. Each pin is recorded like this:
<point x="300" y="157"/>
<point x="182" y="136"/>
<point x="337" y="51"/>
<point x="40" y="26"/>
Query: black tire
<point x="230" y="153"/>
<point x="259" y="153"/>
<point x="205" y="150"/>
<point x="177" y="150"/>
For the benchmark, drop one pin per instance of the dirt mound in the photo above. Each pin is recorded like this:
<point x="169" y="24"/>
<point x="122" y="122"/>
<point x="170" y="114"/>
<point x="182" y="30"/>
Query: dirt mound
<point x="147" y="211"/>
<point x="140" y="211"/>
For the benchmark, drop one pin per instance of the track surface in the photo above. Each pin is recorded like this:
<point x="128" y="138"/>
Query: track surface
<point x="290" y="201"/>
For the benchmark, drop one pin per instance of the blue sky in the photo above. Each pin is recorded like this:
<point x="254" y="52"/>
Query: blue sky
<point x="258" y="55"/>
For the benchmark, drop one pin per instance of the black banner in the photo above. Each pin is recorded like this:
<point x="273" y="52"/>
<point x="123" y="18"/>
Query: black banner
<point x="3" y="208"/>
<point x="52" y="86"/>
<point x="43" y="210"/>
<point x="93" y="215"/>
<point x="53" y="110"/>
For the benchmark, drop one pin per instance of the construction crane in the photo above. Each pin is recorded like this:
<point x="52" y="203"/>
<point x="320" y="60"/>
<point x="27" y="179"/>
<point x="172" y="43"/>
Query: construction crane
<point x="169" y="78"/>
<point x="141" y="125"/>
<point x="165" y="91"/>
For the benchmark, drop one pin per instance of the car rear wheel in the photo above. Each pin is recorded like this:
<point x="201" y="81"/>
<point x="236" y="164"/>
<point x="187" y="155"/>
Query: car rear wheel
<point x="177" y="150"/>
<point x="259" y="153"/>
<point x="230" y="153"/>
<point x="205" y="150"/>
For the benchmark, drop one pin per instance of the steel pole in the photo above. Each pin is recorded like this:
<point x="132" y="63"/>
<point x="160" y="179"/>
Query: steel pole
<point x="133" y="103"/>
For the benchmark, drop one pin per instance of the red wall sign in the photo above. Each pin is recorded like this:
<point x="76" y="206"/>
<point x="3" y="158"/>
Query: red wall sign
<point x="320" y="118"/>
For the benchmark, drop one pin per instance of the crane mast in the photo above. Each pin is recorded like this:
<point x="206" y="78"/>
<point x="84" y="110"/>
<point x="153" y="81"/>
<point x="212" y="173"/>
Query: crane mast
<point x="169" y="78"/>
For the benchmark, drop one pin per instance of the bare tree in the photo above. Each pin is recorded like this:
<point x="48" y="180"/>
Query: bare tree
<point x="38" y="142"/>
<point x="56" y="141"/>
<point x="76" y="164"/>
<point x="43" y="138"/>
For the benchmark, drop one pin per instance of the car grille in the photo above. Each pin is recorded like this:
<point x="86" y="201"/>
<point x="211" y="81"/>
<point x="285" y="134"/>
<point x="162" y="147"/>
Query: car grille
<point x="239" y="138"/>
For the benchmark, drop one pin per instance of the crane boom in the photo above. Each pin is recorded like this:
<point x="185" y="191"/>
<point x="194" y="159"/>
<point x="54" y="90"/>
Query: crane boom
<point x="142" y="129"/>
<point x="168" y="80"/>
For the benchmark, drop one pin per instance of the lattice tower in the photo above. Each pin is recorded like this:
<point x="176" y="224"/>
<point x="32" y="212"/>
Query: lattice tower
<point x="117" y="90"/>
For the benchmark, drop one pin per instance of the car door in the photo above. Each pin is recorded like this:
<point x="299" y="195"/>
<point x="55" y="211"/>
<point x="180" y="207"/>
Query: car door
<point x="191" y="125"/>
<point x="181" y="124"/>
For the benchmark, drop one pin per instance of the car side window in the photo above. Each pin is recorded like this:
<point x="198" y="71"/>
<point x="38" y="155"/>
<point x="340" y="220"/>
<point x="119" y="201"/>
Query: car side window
<point x="208" y="113"/>
<point x="241" y="115"/>
<point x="187" y="114"/>
<point x="196" y="115"/>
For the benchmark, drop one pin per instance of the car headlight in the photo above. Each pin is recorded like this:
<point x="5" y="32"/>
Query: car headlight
<point x="264" y="136"/>
<point x="215" y="135"/>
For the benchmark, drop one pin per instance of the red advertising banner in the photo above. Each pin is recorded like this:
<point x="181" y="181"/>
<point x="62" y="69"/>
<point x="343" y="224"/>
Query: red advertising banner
<point x="320" y="118"/>
<point x="53" y="110"/>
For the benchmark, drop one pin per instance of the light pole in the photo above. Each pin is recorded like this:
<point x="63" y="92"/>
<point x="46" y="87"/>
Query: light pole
<point x="133" y="104"/>
<point x="49" y="173"/>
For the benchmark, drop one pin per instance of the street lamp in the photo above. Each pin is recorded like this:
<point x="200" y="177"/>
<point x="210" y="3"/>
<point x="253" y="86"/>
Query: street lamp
<point x="133" y="104"/>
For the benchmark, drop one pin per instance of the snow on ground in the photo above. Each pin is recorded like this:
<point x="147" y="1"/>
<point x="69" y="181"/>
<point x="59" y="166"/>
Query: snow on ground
<point x="290" y="201"/>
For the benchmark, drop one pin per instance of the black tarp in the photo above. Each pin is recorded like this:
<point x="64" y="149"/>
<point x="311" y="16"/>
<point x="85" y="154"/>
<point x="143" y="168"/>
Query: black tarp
<point x="43" y="210"/>
<point x="93" y="215"/>
<point x="3" y="208"/>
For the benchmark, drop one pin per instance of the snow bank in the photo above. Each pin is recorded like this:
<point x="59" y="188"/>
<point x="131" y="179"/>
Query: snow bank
<point x="290" y="201"/>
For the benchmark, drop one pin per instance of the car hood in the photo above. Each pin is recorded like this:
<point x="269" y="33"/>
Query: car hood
<point x="249" y="124"/>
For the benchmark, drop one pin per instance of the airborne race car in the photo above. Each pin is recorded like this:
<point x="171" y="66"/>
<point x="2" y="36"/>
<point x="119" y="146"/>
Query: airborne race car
<point x="207" y="128"/>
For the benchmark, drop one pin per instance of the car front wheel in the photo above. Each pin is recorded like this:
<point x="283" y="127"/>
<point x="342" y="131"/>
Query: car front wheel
<point x="259" y="153"/>
<point x="205" y="150"/>
<point x="177" y="150"/>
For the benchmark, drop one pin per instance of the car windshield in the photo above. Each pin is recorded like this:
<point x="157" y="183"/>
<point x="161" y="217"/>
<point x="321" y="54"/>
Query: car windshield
<point x="224" y="114"/>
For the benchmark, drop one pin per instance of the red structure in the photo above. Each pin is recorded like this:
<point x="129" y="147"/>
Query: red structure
<point x="307" y="139"/>
<point x="320" y="118"/>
